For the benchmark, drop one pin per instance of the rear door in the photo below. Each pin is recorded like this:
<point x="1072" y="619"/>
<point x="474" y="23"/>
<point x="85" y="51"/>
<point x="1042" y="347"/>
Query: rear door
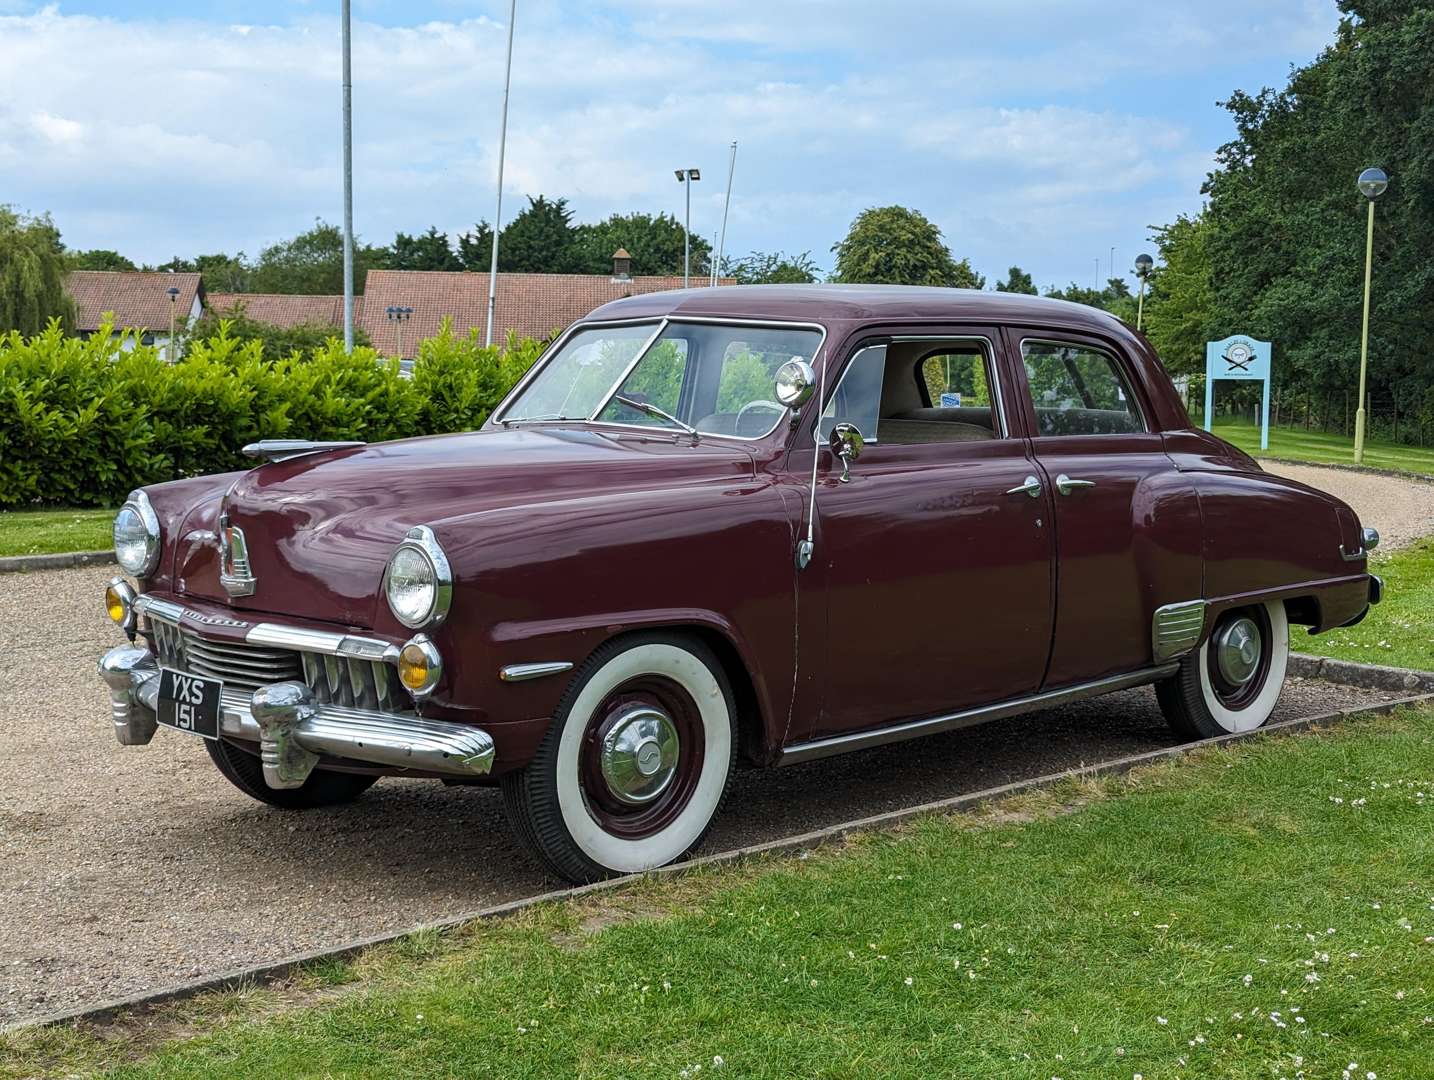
<point x="1117" y="499"/>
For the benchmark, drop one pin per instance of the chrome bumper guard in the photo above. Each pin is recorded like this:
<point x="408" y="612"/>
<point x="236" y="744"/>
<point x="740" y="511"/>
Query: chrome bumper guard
<point x="293" y="730"/>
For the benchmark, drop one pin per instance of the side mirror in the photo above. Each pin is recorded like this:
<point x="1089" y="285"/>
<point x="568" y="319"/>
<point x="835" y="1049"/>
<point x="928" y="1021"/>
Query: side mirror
<point x="846" y="443"/>
<point x="796" y="382"/>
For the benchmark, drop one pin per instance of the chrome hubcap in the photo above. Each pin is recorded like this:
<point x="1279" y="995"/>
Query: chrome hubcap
<point x="639" y="755"/>
<point x="1237" y="651"/>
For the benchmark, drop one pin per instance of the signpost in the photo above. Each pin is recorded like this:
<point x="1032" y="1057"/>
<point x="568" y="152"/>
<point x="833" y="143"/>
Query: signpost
<point x="1241" y="358"/>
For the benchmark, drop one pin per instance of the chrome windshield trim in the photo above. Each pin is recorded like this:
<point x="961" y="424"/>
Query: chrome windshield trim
<point x="500" y="414"/>
<point x="616" y="386"/>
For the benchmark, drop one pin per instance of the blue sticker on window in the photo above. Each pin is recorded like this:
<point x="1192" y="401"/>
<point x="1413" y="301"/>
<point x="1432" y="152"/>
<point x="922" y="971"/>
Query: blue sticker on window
<point x="950" y="401"/>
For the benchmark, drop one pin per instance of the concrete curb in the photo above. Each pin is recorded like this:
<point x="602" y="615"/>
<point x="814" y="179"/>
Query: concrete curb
<point x="1367" y="676"/>
<point x="273" y="972"/>
<point x="1370" y="470"/>
<point x="21" y="564"/>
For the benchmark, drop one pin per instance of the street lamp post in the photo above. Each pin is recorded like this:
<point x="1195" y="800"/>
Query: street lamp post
<point x="1372" y="183"/>
<point x="1143" y="265"/>
<point x="398" y="316"/>
<point x="502" y="153"/>
<point x="685" y="177"/>
<point x="173" y="297"/>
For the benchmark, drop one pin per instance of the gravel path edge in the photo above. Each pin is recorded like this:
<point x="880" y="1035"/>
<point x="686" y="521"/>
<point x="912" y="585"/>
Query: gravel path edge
<point x="274" y="972"/>
<point x="21" y="564"/>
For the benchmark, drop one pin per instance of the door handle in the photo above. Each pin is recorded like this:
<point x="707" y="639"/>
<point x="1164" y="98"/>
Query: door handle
<point x="1031" y="487"/>
<point x="1065" y="485"/>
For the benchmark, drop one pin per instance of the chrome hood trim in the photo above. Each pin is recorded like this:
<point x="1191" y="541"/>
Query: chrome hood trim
<point x="284" y="449"/>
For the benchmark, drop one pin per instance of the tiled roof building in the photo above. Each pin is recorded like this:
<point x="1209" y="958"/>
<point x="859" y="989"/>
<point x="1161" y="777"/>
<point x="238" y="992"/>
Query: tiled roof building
<point x="282" y="309"/>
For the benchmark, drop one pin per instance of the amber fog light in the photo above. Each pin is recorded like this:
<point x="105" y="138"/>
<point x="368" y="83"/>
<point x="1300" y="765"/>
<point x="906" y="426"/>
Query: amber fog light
<point x="119" y="604"/>
<point x="419" y="666"/>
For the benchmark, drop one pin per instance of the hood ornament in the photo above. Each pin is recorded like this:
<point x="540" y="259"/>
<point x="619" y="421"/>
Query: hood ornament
<point x="284" y="449"/>
<point x="234" y="572"/>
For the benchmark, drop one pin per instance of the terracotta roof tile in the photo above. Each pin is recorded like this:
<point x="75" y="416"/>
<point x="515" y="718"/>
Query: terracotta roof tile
<point x="532" y="305"/>
<point x="283" y="309"/>
<point x="138" y="298"/>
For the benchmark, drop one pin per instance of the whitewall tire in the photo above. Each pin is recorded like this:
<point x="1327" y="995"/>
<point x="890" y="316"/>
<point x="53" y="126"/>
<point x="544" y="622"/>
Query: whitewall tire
<point x="636" y="764"/>
<point x="1233" y="681"/>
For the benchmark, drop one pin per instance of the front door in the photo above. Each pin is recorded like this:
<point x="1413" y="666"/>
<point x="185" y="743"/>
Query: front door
<point x="1111" y="483"/>
<point x="934" y="555"/>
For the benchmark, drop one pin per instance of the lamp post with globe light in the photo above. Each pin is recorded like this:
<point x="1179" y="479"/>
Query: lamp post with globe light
<point x="1372" y="183"/>
<point x="1143" y="265"/>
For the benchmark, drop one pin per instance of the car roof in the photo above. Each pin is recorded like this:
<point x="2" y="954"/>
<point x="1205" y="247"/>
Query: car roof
<point x="826" y="303"/>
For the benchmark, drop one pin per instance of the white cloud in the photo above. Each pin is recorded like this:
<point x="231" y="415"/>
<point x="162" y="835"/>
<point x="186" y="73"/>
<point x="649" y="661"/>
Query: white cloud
<point x="1012" y="127"/>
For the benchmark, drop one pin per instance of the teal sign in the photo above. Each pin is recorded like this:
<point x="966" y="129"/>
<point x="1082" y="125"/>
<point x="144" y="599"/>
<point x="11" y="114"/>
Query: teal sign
<point x="1240" y="358"/>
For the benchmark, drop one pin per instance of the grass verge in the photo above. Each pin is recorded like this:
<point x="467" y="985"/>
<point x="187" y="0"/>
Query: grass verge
<point x="47" y="532"/>
<point x="1400" y="631"/>
<point x="1257" y="911"/>
<point x="1322" y="448"/>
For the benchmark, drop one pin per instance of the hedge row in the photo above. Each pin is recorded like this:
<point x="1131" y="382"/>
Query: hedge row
<point x="84" y="421"/>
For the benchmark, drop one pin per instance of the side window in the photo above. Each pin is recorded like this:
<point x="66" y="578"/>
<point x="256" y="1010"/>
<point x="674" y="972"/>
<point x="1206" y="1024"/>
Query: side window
<point x="1078" y="390"/>
<point x="857" y="399"/>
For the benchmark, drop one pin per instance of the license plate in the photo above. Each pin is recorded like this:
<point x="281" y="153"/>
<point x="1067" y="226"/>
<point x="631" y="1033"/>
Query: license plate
<point x="189" y="703"/>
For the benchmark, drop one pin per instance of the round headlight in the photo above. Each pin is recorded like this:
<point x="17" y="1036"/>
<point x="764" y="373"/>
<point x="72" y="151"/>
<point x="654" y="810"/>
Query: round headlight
<point x="136" y="535"/>
<point x="417" y="582"/>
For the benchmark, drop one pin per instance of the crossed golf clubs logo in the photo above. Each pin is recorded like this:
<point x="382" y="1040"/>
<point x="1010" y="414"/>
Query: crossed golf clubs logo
<point x="1239" y="356"/>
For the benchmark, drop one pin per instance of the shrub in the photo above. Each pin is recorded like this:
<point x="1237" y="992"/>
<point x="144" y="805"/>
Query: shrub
<point x="84" y="421"/>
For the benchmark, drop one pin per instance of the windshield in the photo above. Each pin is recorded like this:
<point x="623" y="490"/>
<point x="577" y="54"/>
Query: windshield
<point x="714" y="378"/>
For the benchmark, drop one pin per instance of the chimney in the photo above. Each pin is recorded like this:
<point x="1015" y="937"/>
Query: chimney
<point x="621" y="265"/>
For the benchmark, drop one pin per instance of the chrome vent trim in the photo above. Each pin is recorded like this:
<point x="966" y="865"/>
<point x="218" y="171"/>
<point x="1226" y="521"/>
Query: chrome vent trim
<point x="1176" y="628"/>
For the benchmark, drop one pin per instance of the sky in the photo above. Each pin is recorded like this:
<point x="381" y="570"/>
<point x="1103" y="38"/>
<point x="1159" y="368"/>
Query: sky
<point x="1033" y="132"/>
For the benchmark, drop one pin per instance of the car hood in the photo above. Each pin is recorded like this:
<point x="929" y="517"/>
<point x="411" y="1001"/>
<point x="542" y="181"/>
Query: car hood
<point x="320" y="528"/>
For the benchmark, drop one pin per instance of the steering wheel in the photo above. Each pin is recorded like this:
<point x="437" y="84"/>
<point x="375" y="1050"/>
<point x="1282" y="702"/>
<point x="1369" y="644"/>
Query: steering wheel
<point x="775" y="406"/>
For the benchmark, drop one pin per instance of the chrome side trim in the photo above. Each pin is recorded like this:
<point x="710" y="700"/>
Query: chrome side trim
<point x="524" y="672"/>
<point x="913" y="729"/>
<point x="284" y="449"/>
<point x="1175" y="628"/>
<point x="377" y="738"/>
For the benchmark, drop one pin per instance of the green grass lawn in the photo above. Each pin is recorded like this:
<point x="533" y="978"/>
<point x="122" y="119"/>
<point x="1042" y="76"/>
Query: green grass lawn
<point x="1400" y="631"/>
<point x="1296" y="444"/>
<point x="1259" y="911"/>
<point x="44" y="532"/>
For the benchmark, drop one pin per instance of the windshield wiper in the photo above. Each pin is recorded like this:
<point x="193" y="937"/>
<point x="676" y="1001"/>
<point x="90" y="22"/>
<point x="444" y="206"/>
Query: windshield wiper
<point x="652" y="410"/>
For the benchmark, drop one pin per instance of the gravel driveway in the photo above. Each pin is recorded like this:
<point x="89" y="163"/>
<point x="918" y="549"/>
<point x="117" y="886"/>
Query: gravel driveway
<point x="127" y="869"/>
<point x="1402" y="510"/>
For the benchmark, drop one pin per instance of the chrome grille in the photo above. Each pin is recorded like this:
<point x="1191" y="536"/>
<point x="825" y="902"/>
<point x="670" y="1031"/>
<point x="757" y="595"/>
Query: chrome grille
<point x="335" y="680"/>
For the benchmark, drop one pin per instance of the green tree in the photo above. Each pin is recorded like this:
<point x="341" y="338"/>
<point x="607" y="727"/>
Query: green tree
<point x="277" y="342"/>
<point x="32" y="274"/>
<point x="1017" y="281"/>
<point x="312" y="263"/>
<point x="475" y="249"/>
<point x="430" y="250"/>
<point x="1180" y="296"/>
<point x="540" y="239"/>
<point x="1285" y="235"/>
<point x="653" y="240"/>
<point x="98" y="259"/>
<point x="773" y="268"/>
<point x="894" y="245"/>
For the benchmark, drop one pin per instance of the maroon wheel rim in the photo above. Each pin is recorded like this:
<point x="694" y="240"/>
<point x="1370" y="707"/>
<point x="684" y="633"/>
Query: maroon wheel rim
<point x="1234" y="695"/>
<point x="648" y="695"/>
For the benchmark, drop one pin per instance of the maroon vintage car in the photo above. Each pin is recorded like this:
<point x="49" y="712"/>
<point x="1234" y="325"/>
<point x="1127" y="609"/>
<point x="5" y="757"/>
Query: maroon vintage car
<point x="746" y="525"/>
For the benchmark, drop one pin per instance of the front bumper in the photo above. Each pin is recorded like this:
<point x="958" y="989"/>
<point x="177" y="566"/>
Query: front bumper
<point x="294" y="730"/>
